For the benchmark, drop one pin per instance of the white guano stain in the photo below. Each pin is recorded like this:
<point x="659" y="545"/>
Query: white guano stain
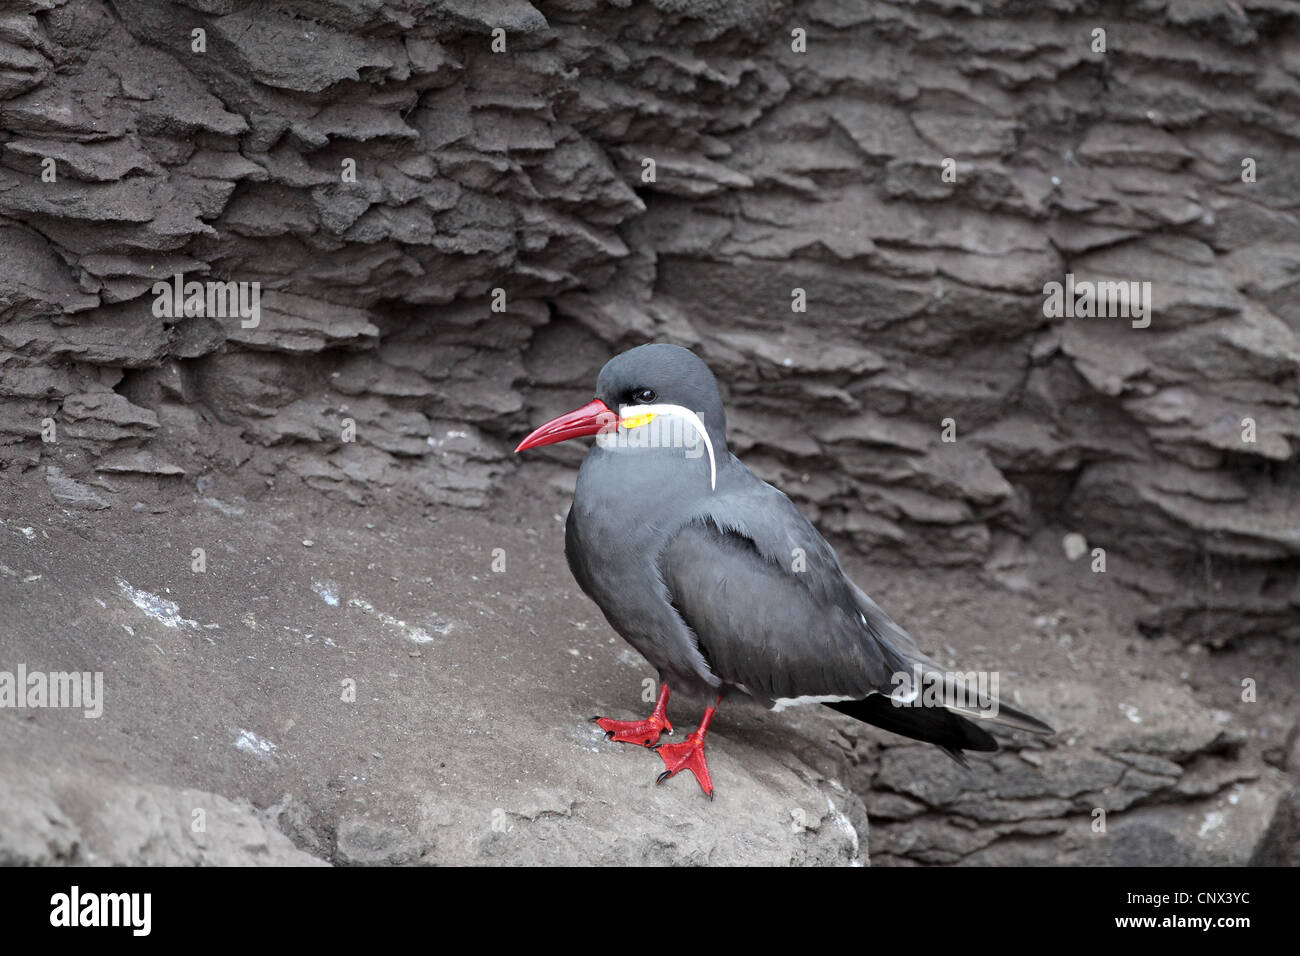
<point x="842" y="821"/>
<point x="249" y="742"/>
<point x="1213" y="820"/>
<point x="328" y="592"/>
<point x="416" y="635"/>
<point x="159" y="608"/>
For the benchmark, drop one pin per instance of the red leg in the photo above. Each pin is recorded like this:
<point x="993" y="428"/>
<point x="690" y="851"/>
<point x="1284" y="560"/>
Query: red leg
<point x="689" y="754"/>
<point x="645" y="732"/>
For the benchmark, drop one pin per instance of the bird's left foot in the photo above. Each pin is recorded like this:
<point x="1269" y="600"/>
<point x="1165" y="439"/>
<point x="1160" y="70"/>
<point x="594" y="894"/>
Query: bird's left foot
<point x="687" y="755"/>
<point x="644" y="732"/>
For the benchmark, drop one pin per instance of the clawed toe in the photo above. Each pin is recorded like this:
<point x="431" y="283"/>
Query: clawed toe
<point x="688" y="755"/>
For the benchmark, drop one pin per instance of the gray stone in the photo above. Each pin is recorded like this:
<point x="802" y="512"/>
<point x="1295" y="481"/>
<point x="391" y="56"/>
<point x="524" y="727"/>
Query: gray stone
<point x="83" y="820"/>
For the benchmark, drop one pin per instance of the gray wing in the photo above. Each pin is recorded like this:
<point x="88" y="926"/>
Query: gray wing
<point x="772" y="610"/>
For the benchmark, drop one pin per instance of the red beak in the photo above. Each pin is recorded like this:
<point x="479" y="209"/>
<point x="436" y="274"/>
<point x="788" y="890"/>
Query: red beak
<point x="591" y="419"/>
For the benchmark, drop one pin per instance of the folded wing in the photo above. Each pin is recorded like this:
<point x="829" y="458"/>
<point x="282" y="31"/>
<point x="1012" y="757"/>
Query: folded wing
<point x="773" y="612"/>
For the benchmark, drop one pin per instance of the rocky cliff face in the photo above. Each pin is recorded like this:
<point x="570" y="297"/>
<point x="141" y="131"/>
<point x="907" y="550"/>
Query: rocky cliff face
<point x="381" y="168"/>
<point x="455" y="211"/>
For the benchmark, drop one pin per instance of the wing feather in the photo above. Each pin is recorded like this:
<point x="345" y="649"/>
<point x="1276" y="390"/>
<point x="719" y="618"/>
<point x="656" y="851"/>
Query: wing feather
<point x="771" y="610"/>
<point x="780" y="624"/>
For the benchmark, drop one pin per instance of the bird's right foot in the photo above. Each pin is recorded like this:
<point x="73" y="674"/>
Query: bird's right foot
<point x="644" y="732"/>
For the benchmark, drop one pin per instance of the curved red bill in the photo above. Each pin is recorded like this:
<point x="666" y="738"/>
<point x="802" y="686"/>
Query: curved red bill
<point x="591" y="419"/>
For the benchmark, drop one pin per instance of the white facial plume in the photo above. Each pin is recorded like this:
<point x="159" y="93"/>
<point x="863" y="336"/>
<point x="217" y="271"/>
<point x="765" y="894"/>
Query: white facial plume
<point x="637" y="416"/>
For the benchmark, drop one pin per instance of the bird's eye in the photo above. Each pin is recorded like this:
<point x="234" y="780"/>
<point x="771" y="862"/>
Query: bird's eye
<point x="643" y="396"/>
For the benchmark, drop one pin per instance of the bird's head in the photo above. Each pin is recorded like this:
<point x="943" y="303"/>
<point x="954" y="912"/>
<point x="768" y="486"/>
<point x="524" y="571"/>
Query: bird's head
<point x="664" y="386"/>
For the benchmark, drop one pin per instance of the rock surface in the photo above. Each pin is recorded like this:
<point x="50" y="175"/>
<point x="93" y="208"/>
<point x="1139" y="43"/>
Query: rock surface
<point x="81" y="820"/>
<point x="378" y="696"/>
<point x="382" y="686"/>
<point x="1103" y="800"/>
<point x="228" y="155"/>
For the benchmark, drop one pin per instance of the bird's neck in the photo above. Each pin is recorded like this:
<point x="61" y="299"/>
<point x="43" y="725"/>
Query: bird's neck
<point x="629" y="478"/>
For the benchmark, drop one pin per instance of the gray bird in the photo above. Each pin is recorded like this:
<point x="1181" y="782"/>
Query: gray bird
<point x="715" y="577"/>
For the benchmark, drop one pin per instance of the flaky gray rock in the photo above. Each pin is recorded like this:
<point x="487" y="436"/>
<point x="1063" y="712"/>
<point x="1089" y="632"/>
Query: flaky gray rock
<point x="81" y="820"/>
<point x="1138" y="777"/>
<point x="679" y="175"/>
<point x="369" y="686"/>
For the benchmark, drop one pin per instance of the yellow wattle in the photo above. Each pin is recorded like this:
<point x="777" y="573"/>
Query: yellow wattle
<point x="636" y="421"/>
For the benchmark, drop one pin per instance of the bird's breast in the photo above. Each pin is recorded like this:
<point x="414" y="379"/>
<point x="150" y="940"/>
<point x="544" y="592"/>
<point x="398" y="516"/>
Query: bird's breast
<point x="616" y="530"/>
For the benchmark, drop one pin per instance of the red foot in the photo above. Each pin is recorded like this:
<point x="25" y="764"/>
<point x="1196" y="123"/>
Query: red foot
<point x="687" y="755"/>
<point x="644" y="732"/>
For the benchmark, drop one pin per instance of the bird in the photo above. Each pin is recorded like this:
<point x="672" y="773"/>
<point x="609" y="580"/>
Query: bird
<point x="718" y="580"/>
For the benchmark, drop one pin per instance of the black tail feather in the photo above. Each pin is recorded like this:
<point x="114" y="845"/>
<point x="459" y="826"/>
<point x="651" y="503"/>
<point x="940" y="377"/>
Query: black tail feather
<point x="933" y="725"/>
